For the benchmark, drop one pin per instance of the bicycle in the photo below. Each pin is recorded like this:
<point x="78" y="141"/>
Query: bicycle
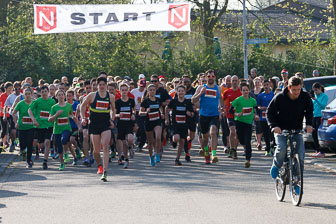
<point x="291" y="172"/>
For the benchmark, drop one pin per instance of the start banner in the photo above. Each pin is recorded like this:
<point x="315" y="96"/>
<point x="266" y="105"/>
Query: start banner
<point x="111" y="18"/>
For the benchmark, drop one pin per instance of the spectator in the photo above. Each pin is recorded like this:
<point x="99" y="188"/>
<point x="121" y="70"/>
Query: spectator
<point x="316" y="73"/>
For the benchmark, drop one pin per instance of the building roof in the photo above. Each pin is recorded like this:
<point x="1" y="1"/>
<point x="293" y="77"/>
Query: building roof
<point x="300" y="20"/>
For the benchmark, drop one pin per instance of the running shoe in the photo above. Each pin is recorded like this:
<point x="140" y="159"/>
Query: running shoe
<point x="29" y="165"/>
<point x="44" y="165"/>
<point x="152" y="160"/>
<point x="66" y="158"/>
<point x="267" y="153"/>
<point x="247" y="164"/>
<point x="187" y="157"/>
<point x="319" y="155"/>
<point x="75" y="162"/>
<point x="230" y="153"/>
<point x="178" y="162"/>
<point x="104" y="176"/>
<point x="113" y="155"/>
<point x="131" y="152"/>
<point x="126" y="164"/>
<point x="78" y="154"/>
<point x="214" y="159"/>
<point x="52" y="153"/>
<point x="157" y="158"/>
<point x="12" y="147"/>
<point x="234" y="154"/>
<point x="207" y="159"/>
<point x="259" y="147"/>
<point x="56" y="156"/>
<point x="274" y="172"/>
<point x="62" y="166"/>
<point x="86" y="162"/>
<point x="226" y="149"/>
<point x="120" y="162"/>
<point x="100" y="169"/>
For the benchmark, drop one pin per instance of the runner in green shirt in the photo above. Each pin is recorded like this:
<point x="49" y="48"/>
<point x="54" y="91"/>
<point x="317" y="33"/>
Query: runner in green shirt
<point x="25" y="125"/>
<point x="60" y="115"/>
<point x="39" y="111"/>
<point x="244" y="107"/>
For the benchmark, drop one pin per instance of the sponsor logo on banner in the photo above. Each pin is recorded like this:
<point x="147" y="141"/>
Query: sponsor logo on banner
<point x="178" y="15"/>
<point x="46" y="18"/>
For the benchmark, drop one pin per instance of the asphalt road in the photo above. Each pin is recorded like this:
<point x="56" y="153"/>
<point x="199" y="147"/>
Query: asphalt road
<point x="225" y="192"/>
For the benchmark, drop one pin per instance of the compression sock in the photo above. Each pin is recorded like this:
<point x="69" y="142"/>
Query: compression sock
<point x="213" y="152"/>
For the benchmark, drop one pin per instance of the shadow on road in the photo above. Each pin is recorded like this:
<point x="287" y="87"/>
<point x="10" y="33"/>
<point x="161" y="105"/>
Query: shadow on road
<point x="319" y="206"/>
<point x="28" y="176"/>
<point x="2" y="206"/>
<point x="8" y="194"/>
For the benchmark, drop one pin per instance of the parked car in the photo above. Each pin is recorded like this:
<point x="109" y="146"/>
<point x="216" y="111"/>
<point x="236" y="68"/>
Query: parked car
<point x="323" y="80"/>
<point x="331" y="93"/>
<point x="327" y="129"/>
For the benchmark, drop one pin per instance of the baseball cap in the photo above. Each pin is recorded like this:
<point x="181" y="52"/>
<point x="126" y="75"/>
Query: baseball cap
<point x="141" y="76"/>
<point x="162" y="77"/>
<point x="142" y="82"/>
<point x="284" y="71"/>
<point x="128" y="78"/>
<point x="75" y="79"/>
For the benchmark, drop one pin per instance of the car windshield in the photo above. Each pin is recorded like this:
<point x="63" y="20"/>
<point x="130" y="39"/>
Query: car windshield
<point x="332" y="105"/>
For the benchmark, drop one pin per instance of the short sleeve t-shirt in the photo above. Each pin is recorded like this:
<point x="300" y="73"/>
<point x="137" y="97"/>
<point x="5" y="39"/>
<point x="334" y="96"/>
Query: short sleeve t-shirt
<point x="246" y="106"/>
<point x="154" y="106"/>
<point x="41" y="110"/>
<point x="229" y="96"/>
<point x="179" y="115"/>
<point x="25" y="121"/>
<point x="264" y="100"/>
<point x="124" y="109"/>
<point x="10" y="101"/>
<point x="62" y="122"/>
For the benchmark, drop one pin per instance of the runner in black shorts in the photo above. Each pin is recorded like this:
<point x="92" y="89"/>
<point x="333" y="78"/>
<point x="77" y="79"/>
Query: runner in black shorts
<point x="125" y="108"/>
<point x="181" y="108"/>
<point x="151" y="107"/>
<point x="101" y="104"/>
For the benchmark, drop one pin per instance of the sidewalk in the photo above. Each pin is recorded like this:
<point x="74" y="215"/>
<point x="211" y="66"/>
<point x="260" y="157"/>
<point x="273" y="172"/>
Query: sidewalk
<point x="328" y="163"/>
<point x="6" y="158"/>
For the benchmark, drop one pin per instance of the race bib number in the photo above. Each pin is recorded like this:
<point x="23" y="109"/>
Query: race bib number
<point x="27" y="120"/>
<point x="154" y="116"/>
<point x="247" y="111"/>
<point x="210" y="93"/>
<point x="180" y="119"/>
<point x="44" y="114"/>
<point x="125" y="116"/>
<point x="62" y="121"/>
<point x="102" y="105"/>
<point x="263" y="114"/>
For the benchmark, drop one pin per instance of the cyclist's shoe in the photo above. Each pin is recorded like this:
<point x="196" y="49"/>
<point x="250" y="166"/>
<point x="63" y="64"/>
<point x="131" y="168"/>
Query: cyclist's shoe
<point x="178" y="162"/>
<point x="152" y="160"/>
<point x="100" y="169"/>
<point x="187" y="157"/>
<point x="44" y="165"/>
<point x="201" y="152"/>
<point x="126" y="164"/>
<point x="120" y="162"/>
<point x="61" y="168"/>
<point x="104" y="176"/>
<point x="234" y="154"/>
<point x="297" y="190"/>
<point x="274" y="172"/>
<point x="214" y="159"/>
<point x="86" y="162"/>
<point x="157" y="158"/>
<point x="247" y="164"/>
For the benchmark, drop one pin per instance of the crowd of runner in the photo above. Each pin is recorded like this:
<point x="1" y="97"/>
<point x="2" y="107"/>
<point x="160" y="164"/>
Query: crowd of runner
<point x="121" y="116"/>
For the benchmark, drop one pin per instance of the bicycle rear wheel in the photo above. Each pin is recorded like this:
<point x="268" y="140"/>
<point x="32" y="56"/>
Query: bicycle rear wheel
<point x="280" y="186"/>
<point x="296" y="179"/>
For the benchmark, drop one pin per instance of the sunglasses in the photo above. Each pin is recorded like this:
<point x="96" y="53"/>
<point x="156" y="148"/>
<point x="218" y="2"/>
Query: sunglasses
<point x="211" y="76"/>
<point x="284" y="73"/>
<point x="154" y="81"/>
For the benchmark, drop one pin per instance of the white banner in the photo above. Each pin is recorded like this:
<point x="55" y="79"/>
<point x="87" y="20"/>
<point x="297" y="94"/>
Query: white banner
<point x="110" y="18"/>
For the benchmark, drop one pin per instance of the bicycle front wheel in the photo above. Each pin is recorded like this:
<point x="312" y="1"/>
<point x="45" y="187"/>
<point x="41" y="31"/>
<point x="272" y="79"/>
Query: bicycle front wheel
<point x="280" y="189"/>
<point x="296" y="179"/>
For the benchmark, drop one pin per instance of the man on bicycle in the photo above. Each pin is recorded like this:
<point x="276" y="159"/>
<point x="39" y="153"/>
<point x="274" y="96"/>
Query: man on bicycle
<point x="286" y="112"/>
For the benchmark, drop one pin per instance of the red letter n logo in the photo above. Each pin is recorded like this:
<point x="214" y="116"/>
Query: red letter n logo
<point x="178" y="15"/>
<point x="46" y="17"/>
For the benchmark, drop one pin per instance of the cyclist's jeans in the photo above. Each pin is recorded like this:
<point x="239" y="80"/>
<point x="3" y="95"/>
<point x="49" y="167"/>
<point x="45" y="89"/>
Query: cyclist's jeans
<point x="280" y="152"/>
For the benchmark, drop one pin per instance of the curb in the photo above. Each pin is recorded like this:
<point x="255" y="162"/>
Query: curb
<point x="8" y="162"/>
<point x="322" y="166"/>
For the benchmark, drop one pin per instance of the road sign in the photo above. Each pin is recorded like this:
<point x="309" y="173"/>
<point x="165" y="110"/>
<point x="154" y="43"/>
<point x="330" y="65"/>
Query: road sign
<point x="257" y="41"/>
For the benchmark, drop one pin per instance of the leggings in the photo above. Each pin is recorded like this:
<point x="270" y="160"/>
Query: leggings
<point x="244" y="132"/>
<point x="62" y="139"/>
<point x="316" y="124"/>
<point x="26" y="138"/>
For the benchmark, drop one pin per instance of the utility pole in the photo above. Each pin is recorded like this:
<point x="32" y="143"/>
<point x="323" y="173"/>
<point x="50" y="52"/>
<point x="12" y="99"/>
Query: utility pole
<point x="244" y="40"/>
